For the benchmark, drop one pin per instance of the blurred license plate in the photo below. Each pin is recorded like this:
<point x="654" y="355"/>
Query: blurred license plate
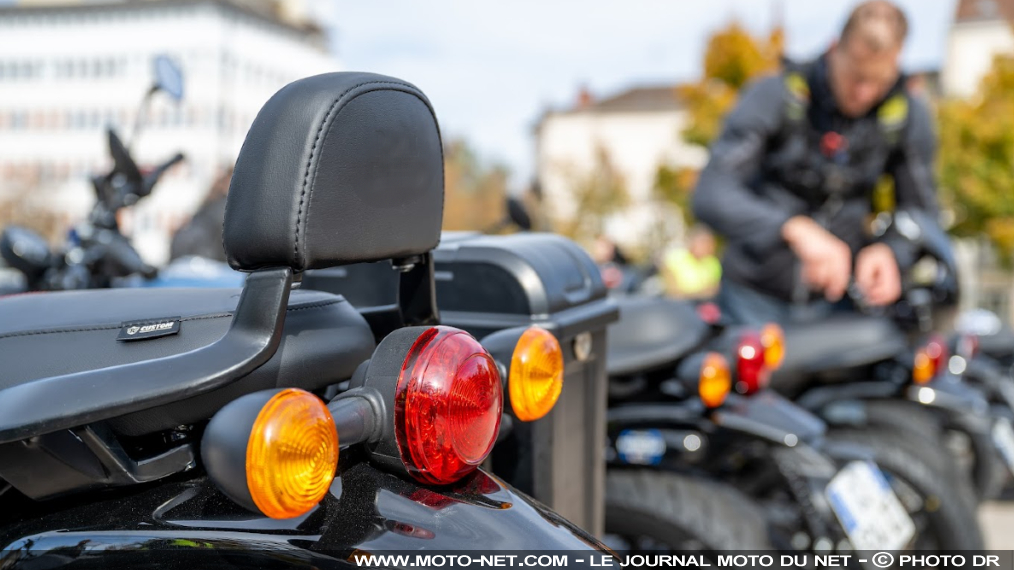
<point x="868" y="509"/>
<point x="1003" y="438"/>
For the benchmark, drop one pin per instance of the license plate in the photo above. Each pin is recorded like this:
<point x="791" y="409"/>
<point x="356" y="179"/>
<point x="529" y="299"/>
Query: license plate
<point x="868" y="509"/>
<point x="1003" y="439"/>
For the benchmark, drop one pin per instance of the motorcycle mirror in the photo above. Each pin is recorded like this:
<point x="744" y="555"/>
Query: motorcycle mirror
<point x="518" y="213"/>
<point x="122" y="161"/>
<point x="168" y="77"/>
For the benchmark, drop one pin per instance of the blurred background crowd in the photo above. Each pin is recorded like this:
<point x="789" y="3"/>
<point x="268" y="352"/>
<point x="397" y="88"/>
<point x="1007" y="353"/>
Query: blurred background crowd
<point x="597" y="118"/>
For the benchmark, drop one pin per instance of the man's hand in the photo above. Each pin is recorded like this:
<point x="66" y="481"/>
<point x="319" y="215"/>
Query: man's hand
<point x="827" y="260"/>
<point x="877" y="274"/>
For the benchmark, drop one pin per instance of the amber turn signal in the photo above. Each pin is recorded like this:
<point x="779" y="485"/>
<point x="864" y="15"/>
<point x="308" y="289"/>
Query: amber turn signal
<point x="536" y="374"/>
<point x="292" y="454"/>
<point x="715" y="381"/>
<point x="773" y="340"/>
<point x="923" y="367"/>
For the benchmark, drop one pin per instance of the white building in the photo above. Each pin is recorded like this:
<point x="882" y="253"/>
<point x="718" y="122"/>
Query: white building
<point x="66" y="71"/>
<point x="638" y="130"/>
<point x="981" y="30"/>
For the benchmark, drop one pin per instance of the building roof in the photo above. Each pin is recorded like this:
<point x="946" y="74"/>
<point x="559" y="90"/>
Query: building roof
<point x="653" y="98"/>
<point x="264" y="11"/>
<point x="634" y="99"/>
<point x="984" y="10"/>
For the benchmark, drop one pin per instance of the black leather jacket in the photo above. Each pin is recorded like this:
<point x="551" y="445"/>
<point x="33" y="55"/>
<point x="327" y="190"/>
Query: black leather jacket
<point x="751" y="184"/>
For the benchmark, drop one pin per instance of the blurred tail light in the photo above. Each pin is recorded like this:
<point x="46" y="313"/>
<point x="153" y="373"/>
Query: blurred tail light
<point x="536" y="374"/>
<point x="752" y="372"/>
<point x="937" y="350"/>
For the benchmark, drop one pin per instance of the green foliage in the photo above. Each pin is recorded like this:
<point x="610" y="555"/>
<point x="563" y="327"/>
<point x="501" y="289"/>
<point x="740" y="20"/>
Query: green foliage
<point x="976" y="159"/>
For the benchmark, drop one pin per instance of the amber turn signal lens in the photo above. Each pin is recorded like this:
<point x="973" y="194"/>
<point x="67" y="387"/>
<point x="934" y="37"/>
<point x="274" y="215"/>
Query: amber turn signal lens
<point x="923" y="368"/>
<point x="715" y="381"/>
<point x="292" y="454"/>
<point x="773" y="341"/>
<point x="536" y="376"/>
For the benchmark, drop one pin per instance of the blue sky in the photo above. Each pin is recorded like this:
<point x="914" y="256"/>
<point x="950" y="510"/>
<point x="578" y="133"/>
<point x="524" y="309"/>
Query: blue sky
<point x="490" y="68"/>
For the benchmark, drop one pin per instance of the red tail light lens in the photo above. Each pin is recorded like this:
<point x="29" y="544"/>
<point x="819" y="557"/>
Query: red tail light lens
<point x="447" y="405"/>
<point x="937" y="351"/>
<point x="751" y="371"/>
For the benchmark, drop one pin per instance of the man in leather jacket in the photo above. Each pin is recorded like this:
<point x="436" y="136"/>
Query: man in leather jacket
<point x="790" y="178"/>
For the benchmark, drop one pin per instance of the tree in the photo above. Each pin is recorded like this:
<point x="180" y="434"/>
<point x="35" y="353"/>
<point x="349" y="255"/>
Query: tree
<point x="675" y="185"/>
<point x="976" y="159"/>
<point x="733" y="57"/>
<point x="474" y="192"/>
<point x="596" y="194"/>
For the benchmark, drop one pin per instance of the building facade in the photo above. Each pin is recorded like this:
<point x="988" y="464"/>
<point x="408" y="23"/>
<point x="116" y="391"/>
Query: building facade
<point x="636" y="131"/>
<point x="69" y="71"/>
<point x="981" y="30"/>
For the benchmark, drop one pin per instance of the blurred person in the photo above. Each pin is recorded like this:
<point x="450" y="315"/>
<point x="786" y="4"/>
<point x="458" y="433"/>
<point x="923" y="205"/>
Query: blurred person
<point x="613" y="265"/>
<point x="202" y="235"/>
<point x="790" y="178"/>
<point x="693" y="271"/>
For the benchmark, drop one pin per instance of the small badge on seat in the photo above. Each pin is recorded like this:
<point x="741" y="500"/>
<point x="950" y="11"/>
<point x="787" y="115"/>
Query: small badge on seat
<point x="151" y="328"/>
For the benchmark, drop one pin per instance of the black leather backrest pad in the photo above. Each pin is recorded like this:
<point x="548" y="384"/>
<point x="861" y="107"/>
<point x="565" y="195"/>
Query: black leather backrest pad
<point x="337" y="168"/>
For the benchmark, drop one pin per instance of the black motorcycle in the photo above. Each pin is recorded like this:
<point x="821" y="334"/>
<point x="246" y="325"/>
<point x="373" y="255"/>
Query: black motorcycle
<point x="269" y="427"/>
<point x="884" y="374"/>
<point x="97" y="253"/>
<point x="656" y="356"/>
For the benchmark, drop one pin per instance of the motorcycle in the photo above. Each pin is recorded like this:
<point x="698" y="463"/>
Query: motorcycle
<point x="674" y="415"/>
<point x="97" y="254"/>
<point x="270" y="426"/>
<point x="883" y="374"/>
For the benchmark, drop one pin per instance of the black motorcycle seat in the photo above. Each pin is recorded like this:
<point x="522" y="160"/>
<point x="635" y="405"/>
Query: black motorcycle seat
<point x="652" y="332"/>
<point x="838" y="342"/>
<point x="52" y="334"/>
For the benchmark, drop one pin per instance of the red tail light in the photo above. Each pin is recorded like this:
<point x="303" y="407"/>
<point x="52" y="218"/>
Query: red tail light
<point x="751" y="372"/>
<point x="968" y="345"/>
<point x="447" y="405"/>
<point x="936" y="349"/>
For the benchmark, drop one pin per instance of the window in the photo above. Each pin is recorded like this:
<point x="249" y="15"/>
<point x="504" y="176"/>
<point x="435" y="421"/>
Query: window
<point x="19" y="119"/>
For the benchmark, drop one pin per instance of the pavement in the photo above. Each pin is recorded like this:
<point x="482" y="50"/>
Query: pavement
<point x="997" y="520"/>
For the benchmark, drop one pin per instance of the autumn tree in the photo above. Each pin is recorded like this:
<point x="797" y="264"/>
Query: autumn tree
<point x="733" y="57"/>
<point x="976" y="159"/>
<point x="596" y="193"/>
<point x="474" y="192"/>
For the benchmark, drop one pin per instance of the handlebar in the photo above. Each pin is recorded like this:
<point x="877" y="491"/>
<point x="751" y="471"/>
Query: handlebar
<point x="152" y="177"/>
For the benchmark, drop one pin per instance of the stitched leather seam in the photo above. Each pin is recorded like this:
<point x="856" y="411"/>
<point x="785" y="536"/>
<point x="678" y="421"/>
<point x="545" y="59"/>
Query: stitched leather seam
<point x="406" y="88"/>
<point x="317" y="305"/>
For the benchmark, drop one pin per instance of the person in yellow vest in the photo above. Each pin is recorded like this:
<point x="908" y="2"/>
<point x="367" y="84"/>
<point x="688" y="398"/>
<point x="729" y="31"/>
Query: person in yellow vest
<point x="693" y="272"/>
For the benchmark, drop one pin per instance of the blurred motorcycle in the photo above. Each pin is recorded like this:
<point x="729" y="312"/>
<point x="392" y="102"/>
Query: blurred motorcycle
<point x="97" y="253"/>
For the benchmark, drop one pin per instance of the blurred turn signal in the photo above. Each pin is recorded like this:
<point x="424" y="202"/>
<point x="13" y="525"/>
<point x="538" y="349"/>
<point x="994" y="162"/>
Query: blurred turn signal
<point x="536" y="376"/>
<point x="773" y="340"/>
<point x="292" y="454"/>
<point x="923" y="367"/>
<point x="715" y="381"/>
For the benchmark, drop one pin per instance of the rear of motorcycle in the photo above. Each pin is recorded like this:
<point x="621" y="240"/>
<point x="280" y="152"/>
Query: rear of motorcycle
<point x="853" y="371"/>
<point x="680" y="432"/>
<point x="504" y="290"/>
<point x="812" y="487"/>
<point x="268" y="426"/>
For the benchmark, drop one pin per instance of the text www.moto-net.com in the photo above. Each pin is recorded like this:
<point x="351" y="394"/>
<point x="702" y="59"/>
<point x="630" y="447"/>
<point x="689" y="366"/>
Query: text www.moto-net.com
<point x="870" y="561"/>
